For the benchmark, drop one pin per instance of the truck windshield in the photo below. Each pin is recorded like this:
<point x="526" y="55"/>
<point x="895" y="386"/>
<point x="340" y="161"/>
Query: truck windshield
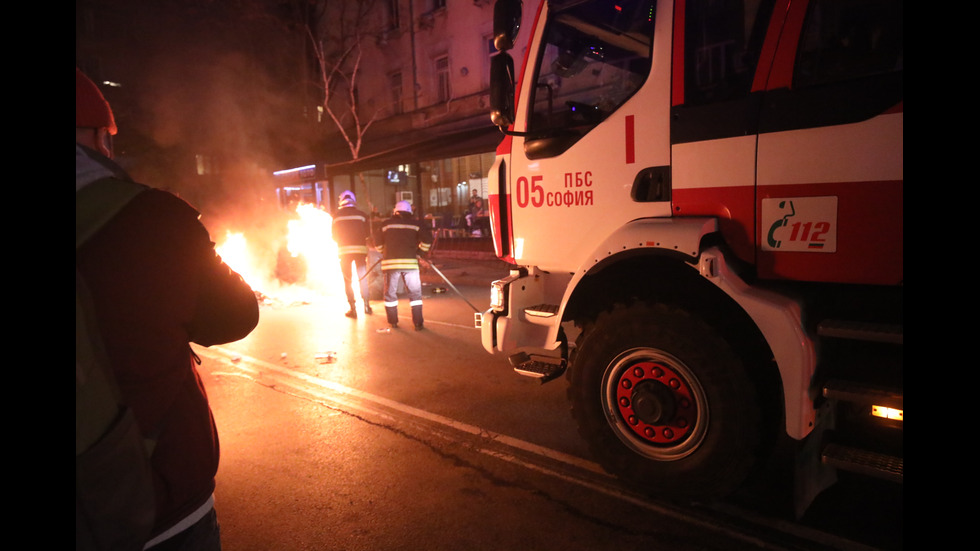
<point x="594" y="56"/>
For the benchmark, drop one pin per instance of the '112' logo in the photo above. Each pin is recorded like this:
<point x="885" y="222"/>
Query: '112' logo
<point x="802" y="224"/>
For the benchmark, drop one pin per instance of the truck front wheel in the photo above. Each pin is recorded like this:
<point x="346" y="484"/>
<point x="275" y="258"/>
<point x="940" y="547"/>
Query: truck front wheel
<point x="664" y="403"/>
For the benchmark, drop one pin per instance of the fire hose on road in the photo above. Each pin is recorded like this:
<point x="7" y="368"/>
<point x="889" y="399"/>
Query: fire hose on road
<point x="436" y="270"/>
<point x="450" y="283"/>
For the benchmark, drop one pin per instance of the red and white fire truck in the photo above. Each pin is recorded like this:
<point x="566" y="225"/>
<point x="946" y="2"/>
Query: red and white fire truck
<point x="704" y="203"/>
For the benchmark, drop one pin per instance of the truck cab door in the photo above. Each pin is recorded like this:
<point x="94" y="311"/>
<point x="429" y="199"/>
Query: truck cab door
<point x="719" y="61"/>
<point x="591" y="119"/>
<point x="830" y="168"/>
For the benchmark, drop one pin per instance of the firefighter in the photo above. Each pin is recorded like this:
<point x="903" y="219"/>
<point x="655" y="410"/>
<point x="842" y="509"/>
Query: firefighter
<point x="350" y="231"/>
<point x="403" y="238"/>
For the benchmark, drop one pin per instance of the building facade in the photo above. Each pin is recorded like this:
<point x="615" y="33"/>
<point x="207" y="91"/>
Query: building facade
<point x="252" y="97"/>
<point x="421" y="87"/>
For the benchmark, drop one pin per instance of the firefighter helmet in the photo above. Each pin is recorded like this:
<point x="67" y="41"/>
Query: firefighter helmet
<point x="91" y="108"/>
<point x="403" y="206"/>
<point x="348" y="199"/>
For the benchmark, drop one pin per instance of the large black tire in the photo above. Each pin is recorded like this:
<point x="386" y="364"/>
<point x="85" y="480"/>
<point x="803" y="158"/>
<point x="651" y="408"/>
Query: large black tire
<point x="664" y="403"/>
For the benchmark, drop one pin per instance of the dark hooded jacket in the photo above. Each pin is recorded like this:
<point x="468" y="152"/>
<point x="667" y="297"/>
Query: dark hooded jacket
<point x="156" y="285"/>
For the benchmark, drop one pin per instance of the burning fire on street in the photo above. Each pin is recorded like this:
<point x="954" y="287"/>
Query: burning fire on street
<point x="304" y="269"/>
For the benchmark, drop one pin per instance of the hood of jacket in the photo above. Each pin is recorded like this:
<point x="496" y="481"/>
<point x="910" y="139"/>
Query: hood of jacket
<point x="91" y="166"/>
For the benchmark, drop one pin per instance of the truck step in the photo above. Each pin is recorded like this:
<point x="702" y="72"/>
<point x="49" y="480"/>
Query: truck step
<point x="874" y="332"/>
<point x="545" y="368"/>
<point x="859" y="393"/>
<point x="542" y="310"/>
<point x="864" y="462"/>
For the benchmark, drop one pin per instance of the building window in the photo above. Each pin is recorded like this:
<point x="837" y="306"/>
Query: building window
<point x="204" y="164"/>
<point x="395" y="85"/>
<point x="394" y="21"/>
<point x="444" y="89"/>
<point x="438" y="4"/>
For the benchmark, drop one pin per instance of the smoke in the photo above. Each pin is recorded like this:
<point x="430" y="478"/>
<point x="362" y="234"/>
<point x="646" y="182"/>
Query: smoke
<point x="210" y="107"/>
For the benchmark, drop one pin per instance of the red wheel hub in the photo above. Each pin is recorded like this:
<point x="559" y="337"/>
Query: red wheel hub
<point x="656" y="402"/>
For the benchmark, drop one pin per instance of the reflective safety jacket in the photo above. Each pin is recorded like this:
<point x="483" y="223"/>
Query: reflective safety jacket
<point x="350" y="231"/>
<point x="403" y="238"/>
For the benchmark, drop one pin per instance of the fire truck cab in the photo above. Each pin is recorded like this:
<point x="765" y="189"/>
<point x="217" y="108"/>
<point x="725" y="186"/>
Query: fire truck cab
<point x="709" y="195"/>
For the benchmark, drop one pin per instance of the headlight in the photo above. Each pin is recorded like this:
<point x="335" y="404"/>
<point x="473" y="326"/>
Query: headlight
<point x="499" y="289"/>
<point x="498" y="295"/>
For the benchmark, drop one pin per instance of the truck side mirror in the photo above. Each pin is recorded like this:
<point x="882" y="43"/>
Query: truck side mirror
<point x="502" y="90"/>
<point x="506" y="23"/>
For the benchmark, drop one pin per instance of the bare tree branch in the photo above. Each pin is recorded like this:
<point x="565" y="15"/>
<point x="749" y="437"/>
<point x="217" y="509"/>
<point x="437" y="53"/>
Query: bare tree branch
<point x="340" y="66"/>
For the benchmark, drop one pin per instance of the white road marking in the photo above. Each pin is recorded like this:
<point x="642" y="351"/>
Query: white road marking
<point x="253" y="367"/>
<point x="250" y="364"/>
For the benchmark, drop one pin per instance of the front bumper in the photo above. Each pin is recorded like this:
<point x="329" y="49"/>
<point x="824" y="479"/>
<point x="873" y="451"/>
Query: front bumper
<point x="524" y="313"/>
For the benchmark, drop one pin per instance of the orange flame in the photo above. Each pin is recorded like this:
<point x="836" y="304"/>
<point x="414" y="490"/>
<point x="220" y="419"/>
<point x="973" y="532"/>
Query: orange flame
<point x="308" y="238"/>
<point x="311" y="237"/>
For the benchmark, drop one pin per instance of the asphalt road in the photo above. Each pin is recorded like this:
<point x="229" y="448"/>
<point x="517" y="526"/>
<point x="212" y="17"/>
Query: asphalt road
<point x="338" y="434"/>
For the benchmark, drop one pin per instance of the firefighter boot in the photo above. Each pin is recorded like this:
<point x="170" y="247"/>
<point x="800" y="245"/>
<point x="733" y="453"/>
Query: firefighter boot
<point x="417" y="317"/>
<point x="352" y="313"/>
<point x="367" y="309"/>
<point x="392" y="313"/>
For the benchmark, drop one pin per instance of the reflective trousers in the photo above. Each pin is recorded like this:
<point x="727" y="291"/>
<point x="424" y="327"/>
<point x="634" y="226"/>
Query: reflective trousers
<point x="413" y="284"/>
<point x="360" y="261"/>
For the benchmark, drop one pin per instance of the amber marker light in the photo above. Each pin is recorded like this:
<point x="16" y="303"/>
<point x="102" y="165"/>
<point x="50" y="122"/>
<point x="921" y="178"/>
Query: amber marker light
<point x="887" y="413"/>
